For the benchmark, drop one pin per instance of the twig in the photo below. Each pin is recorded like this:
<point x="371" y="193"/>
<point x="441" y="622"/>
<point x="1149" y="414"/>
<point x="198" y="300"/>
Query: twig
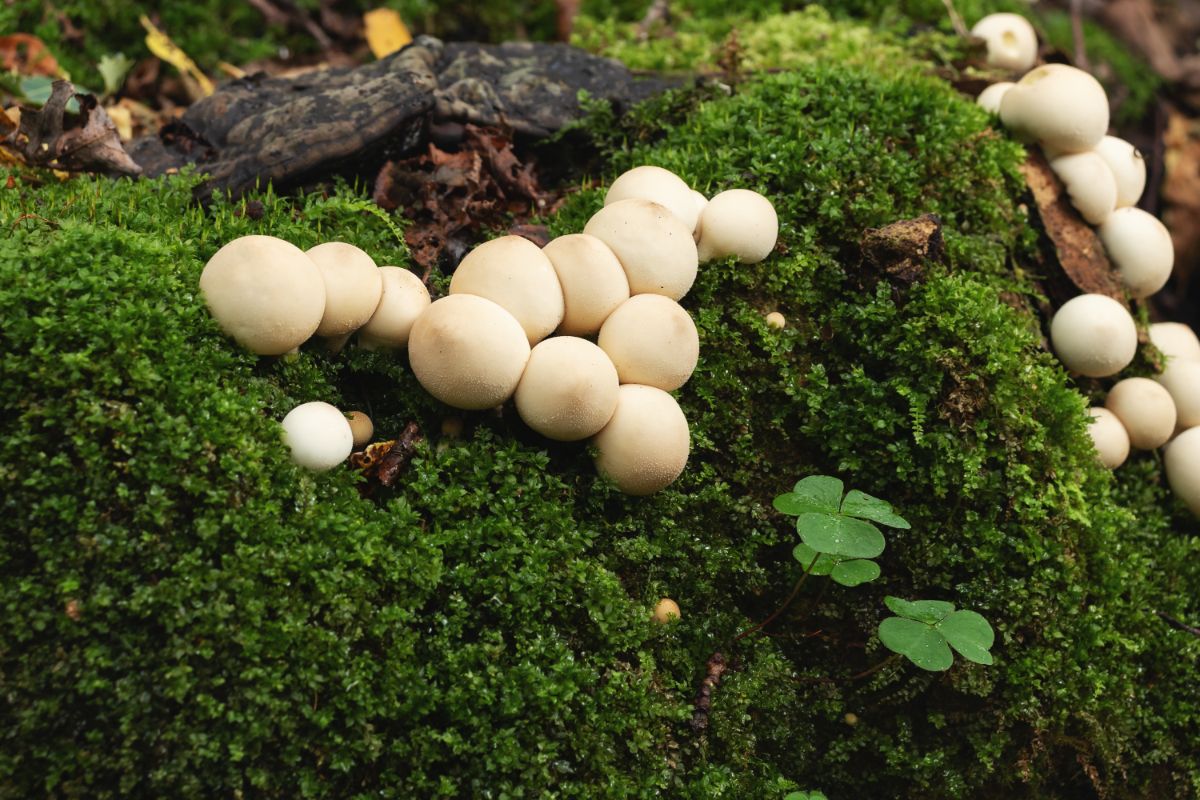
<point x="1080" y="44"/>
<point x="712" y="676"/>
<point x="872" y="670"/>
<point x="960" y="27"/>
<point x="782" y="608"/>
<point x="1174" y="623"/>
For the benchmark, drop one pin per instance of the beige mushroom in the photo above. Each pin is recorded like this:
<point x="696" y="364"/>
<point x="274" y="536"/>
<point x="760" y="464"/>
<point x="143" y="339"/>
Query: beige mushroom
<point x="1141" y="249"/>
<point x="651" y="340"/>
<point x="404" y="299"/>
<point x="1109" y="436"/>
<point x="1182" y="380"/>
<point x="1062" y="107"/>
<point x="593" y="282"/>
<point x="353" y="287"/>
<point x="989" y="99"/>
<point x="318" y="435"/>
<point x="361" y="427"/>
<point x="1090" y="184"/>
<point x="569" y="389"/>
<point x="1175" y="340"/>
<point x="1146" y="410"/>
<point x="468" y="352"/>
<point x="659" y="185"/>
<point x="514" y="273"/>
<point x="1011" y="41"/>
<point x="701" y="204"/>
<point x="265" y="293"/>
<point x="666" y="610"/>
<point x="644" y="447"/>
<point x="776" y="320"/>
<point x="1128" y="167"/>
<point x="1094" y="335"/>
<point x="738" y="222"/>
<point x="1182" y="462"/>
<point x="655" y="248"/>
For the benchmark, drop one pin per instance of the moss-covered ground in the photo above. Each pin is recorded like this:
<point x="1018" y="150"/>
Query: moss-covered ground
<point x="190" y="615"/>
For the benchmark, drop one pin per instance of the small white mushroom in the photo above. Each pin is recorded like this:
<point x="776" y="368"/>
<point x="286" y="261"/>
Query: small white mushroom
<point x="989" y="99"/>
<point x="265" y="293"/>
<point x="404" y="299"/>
<point x="1090" y="184"/>
<point x="651" y="340"/>
<point x="1062" y="107"/>
<point x="1146" y="410"/>
<point x="655" y="248"/>
<point x="1182" y="460"/>
<point x="666" y="610"/>
<point x="569" y="389"/>
<point x="1140" y="248"/>
<point x="1128" y="167"/>
<point x="659" y="185"/>
<point x="1011" y="41"/>
<point x="738" y="222"/>
<point x="644" y="447"/>
<point x="318" y="435"/>
<point x="1182" y="380"/>
<point x="361" y="426"/>
<point x="776" y="320"/>
<point x="1094" y="335"/>
<point x="1109" y="436"/>
<point x="468" y="352"/>
<point x="514" y="273"/>
<point x="593" y="282"/>
<point x="1175" y="340"/>
<point x="353" y="287"/>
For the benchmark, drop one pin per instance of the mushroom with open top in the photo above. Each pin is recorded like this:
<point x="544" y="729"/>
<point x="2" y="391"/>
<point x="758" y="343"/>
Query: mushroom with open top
<point x="1063" y="108"/>
<point x="1011" y="41"/>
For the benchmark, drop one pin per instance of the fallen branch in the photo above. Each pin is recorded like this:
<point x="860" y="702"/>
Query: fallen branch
<point x="715" y="667"/>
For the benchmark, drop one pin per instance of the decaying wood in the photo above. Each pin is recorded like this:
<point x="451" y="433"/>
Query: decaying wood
<point x="714" y="668"/>
<point x="902" y="251"/>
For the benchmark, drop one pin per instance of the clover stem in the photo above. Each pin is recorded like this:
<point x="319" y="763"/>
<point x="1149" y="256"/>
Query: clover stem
<point x="782" y="608"/>
<point x="893" y="658"/>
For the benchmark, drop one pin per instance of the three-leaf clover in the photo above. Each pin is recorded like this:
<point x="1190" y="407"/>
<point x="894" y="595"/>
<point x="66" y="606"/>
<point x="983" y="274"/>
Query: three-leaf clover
<point x="924" y="631"/>
<point x="806" y="796"/>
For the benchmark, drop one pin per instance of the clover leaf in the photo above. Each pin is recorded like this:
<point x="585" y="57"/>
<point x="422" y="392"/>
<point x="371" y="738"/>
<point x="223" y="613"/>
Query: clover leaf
<point x="846" y="571"/>
<point x="925" y="631"/>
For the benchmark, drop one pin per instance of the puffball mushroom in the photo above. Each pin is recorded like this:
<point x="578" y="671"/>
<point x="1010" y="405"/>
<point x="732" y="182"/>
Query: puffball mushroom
<point x="1090" y="184"/>
<point x="644" y="447"/>
<point x="1062" y="107"/>
<point x="1182" y="380"/>
<point x="1109" y="436"/>
<point x="665" y="610"/>
<point x="1011" y="41"/>
<point x="319" y="436"/>
<point x="468" y="352"/>
<point x="361" y="427"/>
<point x="1140" y="248"/>
<point x="659" y="185"/>
<point x="738" y="222"/>
<point x="989" y="99"/>
<point x="1094" y="335"/>
<point x="1128" y="168"/>
<point x="514" y="273"/>
<point x="404" y="299"/>
<point x="569" y="389"/>
<point x="651" y="340"/>
<point x="593" y="282"/>
<point x="1146" y="410"/>
<point x="1182" y="460"/>
<point x="353" y="287"/>
<point x="655" y="247"/>
<point x="265" y="293"/>
<point x="776" y="320"/>
<point x="1175" y="340"/>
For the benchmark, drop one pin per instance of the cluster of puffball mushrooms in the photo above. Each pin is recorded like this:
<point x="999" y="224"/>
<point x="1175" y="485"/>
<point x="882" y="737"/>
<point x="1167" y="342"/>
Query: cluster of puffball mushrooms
<point x="1065" y="110"/>
<point x="490" y="338"/>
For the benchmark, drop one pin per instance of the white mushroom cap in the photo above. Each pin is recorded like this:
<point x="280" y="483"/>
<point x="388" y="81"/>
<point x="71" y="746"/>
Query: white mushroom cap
<point x="1146" y="410"/>
<point x="655" y="249"/>
<point x="1175" y="340"/>
<point x="665" y="610"/>
<point x="319" y="436"/>
<point x="776" y="320"/>
<point x="1182" y="380"/>
<point x="353" y="287"/>
<point x="701" y="203"/>
<point x="738" y="222"/>
<point x="514" y="273"/>
<point x="1094" y="335"/>
<point x="1182" y="460"/>
<point x="593" y="282"/>
<point x="644" y="447"/>
<point x="1062" y="107"/>
<point x="1140" y="248"/>
<point x="265" y="293"/>
<point x="569" y="389"/>
<point x="361" y="426"/>
<point x="1090" y="184"/>
<point x="989" y="99"/>
<point x="1128" y="167"/>
<point x="1011" y="41"/>
<point x="468" y="352"/>
<point x="404" y="299"/>
<point x="659" y="185"/>
<point x="1109" y="436"/>
<point x="651" y="340"/>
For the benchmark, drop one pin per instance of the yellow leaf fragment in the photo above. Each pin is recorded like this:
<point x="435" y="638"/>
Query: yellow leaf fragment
<point x="123" y="119"/>
<point x="231" y="70"/>
<point x="161" y="45"/>
<point x="386" y="31"/>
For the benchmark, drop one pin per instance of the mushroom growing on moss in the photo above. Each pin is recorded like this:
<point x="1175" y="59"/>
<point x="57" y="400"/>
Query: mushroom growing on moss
<point x="514" y="273"/>
<point x="318" y="435"/>
<point x="353" y="287"/>
<point x="658" y="185"/>
<point x="404" y="299"/>
<point x="644" y="447"/>
<point x="593" y="282"/>
<point x="361" y="426"/>
<point x="1094" y="335"/>
<point x="1182" y="460"/>
<point x="1175" y="340"/>
<point x="1011" y="41"/>
<point x="666" y="610"/>
<point x="1146" y="410"/>
<point x="1182" y="380"/>
<point x="738" y="222"/>
<point x="655" y="248"/>
<point x="1128" y="167"/>
<point x="1090" y="184"/>
<point x="652" y="341"/>
<point x="989" y="99"/>
<point x="569" y="389"/>
<point x="1109" y="436"/>
<point x="1140" y="248"/>
<point x="1063" y="108"/>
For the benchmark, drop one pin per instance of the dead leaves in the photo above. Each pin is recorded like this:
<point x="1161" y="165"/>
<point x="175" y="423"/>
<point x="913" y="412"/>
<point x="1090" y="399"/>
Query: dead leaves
<point x="26" y="54"/>
<point x="87" y="141"/>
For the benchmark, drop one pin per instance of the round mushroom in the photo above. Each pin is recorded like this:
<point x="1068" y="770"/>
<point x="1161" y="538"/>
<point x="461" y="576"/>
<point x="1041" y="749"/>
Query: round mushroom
<point x="989" y="99"/>
<point x="1182" y="460"/>
<point x="318" y="435"/>
<point x="1146" y="410"/>
<point x="1182" y="380"/>
<point x="1128" y="168"/>
<point x="593" y="282"/>
<point x="1094" y="335"/>
<point x="655" y="248"/>
<point x="738" y="222"/>
<point x="404" y="299"/>
<point x="1090" y="184"/>
<point x="776" y="320"/>
<point x="361" y="426"/>
<point x="353" y="287"/>
<point x="1062" y="107"/>
<point x="468" y="352"/>
<point x="644" y="447"/>
<point x="514" y="273"/>
<point x="666" y="610"/>
<point x="265" y="293"/>
<point x="659" y="185"/>
<point x="1175" y="340"/>
<point x="1011" y="41"/>
<point x="1140" y="248"/>
<point x="569" y="389"/>
<point x="1109" y="436"/>
<point x="651" y="340"/>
